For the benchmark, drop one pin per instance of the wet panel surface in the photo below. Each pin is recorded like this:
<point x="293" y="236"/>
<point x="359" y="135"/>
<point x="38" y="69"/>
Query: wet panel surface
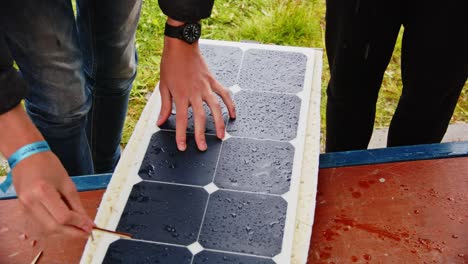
<point x="228" y="198"/>
<point x="273" y="71"/>
<point x="130" y="251"/>
<point x="223" y="62"/>
<point x="245" y="223"/>
<point x="265" y="116"/>
<point x="164" y="213"/>
<point x="255" y="165"/>
<point x="163" y="162"/>
<point x="211" y="257"/>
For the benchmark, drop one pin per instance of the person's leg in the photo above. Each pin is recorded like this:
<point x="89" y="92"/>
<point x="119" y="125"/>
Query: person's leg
<point x="434" y="70"/>
<point x="42" y="38"/>
<point x="360" y="37"/>
<point x="107" y="35"/>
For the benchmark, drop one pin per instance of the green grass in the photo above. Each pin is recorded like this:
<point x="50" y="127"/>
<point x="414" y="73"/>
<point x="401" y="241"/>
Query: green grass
<point x="3" y="170"/>
<point x="282" y="22"/>
<point x="3" y="166"/>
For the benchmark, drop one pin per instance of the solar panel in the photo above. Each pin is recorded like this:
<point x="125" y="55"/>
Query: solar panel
<point x="236" y="202"/>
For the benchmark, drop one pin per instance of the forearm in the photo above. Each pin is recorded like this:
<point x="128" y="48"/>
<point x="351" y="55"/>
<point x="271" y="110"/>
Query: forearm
<point x="17" y="131"/>
<point x="187" y="82"/>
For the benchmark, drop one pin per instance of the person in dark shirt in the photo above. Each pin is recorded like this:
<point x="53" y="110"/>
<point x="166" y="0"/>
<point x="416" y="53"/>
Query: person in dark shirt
<point x="75" y="77"/>
<point x="360" y="37"/>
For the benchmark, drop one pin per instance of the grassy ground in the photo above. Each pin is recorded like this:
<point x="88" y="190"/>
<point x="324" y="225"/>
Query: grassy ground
<point x="282" y="22"/>
<point x="3" y="166"/>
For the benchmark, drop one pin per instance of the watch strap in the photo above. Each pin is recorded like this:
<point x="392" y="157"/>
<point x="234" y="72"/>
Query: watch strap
<point x="173" y="31"/>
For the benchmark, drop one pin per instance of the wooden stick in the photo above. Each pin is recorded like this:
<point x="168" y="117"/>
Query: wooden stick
<point x="36" y="259"/>
<point x="123" y="235"/>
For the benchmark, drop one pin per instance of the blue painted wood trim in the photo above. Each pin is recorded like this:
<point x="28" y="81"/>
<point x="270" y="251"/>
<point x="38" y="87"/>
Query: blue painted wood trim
<point x="83" y="183"/>
<point x="393" y="154"/>
<point x="92" y="182"/>
<point x="327" y="160"/>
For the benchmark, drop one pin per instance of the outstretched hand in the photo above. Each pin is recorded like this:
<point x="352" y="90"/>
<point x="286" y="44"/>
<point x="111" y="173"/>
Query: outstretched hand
<point x="185" y="78"/>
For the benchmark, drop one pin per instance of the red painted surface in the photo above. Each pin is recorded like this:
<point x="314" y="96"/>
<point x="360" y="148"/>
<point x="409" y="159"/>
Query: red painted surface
<point x="19" y="243"/>
<point x="407" y="212"/>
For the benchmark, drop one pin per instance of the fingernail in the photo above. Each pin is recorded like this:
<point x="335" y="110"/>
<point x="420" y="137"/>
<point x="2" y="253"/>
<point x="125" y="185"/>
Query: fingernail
<point x="181" y="146"/>
<point x="203" y="145"/>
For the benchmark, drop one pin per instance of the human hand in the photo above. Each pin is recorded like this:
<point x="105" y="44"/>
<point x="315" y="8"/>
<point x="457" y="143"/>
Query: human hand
<point x="48" y="195"/>
<point x="185" y="78"/>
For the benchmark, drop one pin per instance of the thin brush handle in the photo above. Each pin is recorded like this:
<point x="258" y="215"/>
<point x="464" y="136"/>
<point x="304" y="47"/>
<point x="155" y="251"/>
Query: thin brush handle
<point x="36" y="259"/>
<point x="124" y="235"/>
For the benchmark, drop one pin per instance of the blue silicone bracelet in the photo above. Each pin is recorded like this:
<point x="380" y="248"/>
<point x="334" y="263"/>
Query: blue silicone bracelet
<point x="20" y="155"/>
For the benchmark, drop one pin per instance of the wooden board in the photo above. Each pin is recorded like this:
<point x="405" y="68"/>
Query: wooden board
<point x="15" y="249"/>
<point x="407" y="212"/>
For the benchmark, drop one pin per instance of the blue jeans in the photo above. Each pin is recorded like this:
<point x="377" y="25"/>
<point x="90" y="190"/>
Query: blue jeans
<point x="80" y="73"/>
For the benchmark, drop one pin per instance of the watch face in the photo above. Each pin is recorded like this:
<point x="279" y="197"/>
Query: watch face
<point x="191" y="32"/>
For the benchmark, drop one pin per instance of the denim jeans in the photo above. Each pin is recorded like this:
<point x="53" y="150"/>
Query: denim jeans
<point x="80" y="72"/>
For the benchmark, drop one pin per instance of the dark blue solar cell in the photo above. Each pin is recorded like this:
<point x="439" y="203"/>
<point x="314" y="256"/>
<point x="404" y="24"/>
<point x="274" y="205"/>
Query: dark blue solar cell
<point x="223" y="62"/>
<point x="244" y="223"/>
<point x="131" y="251"/>
<point x="255" y="165"/>
<point x="211" y="257"/>
<point x="265" y="116"/>
<point x="273" y="71"/>
<point x="163" y="162"/>
<point x="164" y="213"/>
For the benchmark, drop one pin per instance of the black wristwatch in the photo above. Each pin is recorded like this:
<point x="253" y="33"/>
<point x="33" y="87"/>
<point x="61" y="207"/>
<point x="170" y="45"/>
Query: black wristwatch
<point x="190" y="32"/>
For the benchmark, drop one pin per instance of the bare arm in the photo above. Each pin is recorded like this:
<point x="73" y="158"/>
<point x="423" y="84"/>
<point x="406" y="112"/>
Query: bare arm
<point x="43" y="186"/>
<point x="185" y="78"/>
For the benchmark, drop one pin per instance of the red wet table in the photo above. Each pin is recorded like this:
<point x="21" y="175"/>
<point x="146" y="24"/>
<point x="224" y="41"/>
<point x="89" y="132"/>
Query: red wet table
<point x="404" y="212"/>
<point x="15" y="247"/>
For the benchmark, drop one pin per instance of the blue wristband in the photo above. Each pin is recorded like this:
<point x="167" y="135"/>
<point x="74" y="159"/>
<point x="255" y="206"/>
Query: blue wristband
<point x="21" y="154"/>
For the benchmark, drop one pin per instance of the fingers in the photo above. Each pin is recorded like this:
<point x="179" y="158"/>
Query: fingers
<point x="217" y="115"/>
<point x="48" y="222"/>
<point x="199" y="122"/>
<point x="166" y="104"/>
<point x="226" y="96"/>
<point x="70" y="195"/>
<point x="181" y="125"/>
<point x="61" y="212"/>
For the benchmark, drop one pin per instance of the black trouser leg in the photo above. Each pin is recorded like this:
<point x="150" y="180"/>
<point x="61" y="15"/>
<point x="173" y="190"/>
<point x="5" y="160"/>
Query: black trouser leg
<point x="360" y="37"/>
<point x="434" y="70"/>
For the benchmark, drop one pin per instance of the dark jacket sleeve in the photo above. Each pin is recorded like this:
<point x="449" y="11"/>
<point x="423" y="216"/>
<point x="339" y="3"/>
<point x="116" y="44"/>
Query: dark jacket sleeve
<point x="187" y="10"/>
<point x="12" y="86"/>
